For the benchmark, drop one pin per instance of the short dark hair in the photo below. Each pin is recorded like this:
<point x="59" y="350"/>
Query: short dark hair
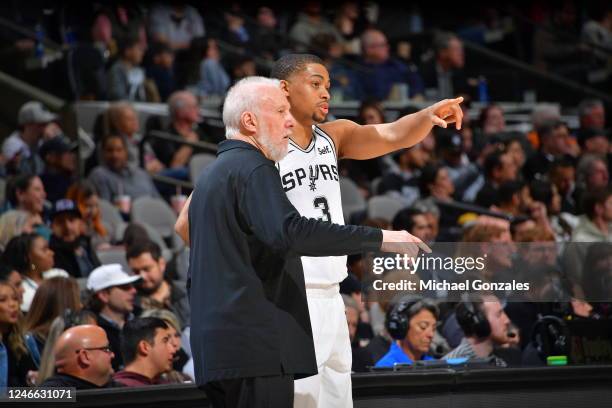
<point x="442" y="39"/>
<point x="137" y="330"/>
<point x="548" y="127"/>
<point x="111" y="136"/>
<point x="404" y="219"/>
<point x="289" y="64"/>
<point x="592" y="198"/>
<point x="508" y="189"/>
<point x="20" y="182"/>
<point x="492" y="162"/>
<point x="541" y="191"/>
<point x="142" y="247"/>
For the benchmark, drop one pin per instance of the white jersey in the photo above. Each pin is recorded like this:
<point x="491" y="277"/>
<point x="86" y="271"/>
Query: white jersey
<point x="311" y="181"/>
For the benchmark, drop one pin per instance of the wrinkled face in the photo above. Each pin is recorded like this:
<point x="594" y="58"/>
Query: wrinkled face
<point x="67" y="227"/>
<point x="163" y="350"/>
<point x="9" y="305"/>
<point x="308" y="93"/>
<point x="352" y="319"/>
<point x="421" y="331"/>
<point x="33" y="198"/>
<point x="275" y="124"/>
<point x="115" y="154"/>
<point x="151" y="271"/>
<point x="40" y="255"/>
<point x="498" y="320"/>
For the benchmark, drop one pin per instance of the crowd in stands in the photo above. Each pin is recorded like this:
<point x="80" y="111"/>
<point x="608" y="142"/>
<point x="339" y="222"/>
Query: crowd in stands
<point x="93" y="289"/>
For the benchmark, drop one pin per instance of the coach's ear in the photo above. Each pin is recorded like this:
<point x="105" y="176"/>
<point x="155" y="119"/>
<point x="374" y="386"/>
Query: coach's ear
<point x="249" y="121"/>
<point x="284" y="86"/>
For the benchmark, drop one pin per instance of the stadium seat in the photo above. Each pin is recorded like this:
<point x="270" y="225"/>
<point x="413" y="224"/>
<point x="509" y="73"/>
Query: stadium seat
<point x="156" y="213"/>
<point x="384" y="207"/>
<point x="198" y="163"/>
<point x="113" y="255"/>
<point x="352" y="200"/>
<point x="112" y="221"/>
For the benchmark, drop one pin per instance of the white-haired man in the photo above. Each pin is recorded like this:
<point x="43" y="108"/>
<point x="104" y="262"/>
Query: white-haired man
<point x="250" y="328"/>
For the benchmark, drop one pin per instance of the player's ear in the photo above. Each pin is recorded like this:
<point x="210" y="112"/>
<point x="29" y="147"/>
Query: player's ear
<point x="284" y="86"/>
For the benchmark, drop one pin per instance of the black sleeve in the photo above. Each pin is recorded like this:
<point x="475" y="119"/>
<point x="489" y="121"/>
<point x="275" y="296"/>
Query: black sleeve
<point x="275" y="221"/>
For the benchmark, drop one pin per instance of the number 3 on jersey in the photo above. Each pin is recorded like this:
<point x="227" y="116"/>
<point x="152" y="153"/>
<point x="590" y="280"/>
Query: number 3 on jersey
<point x="321" y="204"/>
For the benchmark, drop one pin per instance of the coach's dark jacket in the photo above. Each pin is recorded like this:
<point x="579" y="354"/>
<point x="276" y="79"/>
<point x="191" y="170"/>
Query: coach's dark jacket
<point x="249" y="315"/>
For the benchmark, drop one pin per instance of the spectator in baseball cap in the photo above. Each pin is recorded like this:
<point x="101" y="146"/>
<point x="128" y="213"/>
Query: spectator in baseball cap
<point x="20" y="148"/>
<point x="59" y="156"/>
<point x="112" y="295"/>
<point x="73" y="250"/>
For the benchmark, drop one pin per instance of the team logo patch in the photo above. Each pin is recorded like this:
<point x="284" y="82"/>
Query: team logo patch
<point x="314" y="175"/>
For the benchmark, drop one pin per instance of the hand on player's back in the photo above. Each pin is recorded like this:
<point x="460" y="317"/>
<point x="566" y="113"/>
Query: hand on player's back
<point x="402" y="242"/>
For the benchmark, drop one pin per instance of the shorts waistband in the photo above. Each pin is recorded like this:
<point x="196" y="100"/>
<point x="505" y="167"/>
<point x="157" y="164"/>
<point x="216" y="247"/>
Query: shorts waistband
<point x="323" y="290"/>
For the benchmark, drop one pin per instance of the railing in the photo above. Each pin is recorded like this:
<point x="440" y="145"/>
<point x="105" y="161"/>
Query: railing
<point x="559" y="387"/>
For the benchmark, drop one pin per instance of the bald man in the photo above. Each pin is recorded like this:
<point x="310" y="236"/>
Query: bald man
<point x="82" y="359"/>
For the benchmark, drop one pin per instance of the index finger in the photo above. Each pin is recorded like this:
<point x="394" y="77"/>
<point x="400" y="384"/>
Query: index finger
<point x="424" y="247"/>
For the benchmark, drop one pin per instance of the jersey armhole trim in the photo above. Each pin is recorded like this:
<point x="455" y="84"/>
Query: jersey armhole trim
<point x="321" y="133"/>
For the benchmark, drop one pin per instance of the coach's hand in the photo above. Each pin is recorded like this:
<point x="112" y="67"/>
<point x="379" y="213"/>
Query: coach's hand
<point x="402" y="242"/>
<point x="446" y="112"/>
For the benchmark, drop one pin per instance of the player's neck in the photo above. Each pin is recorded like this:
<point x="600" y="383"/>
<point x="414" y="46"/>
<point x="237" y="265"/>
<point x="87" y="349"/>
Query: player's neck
<point x="302" y="134"/>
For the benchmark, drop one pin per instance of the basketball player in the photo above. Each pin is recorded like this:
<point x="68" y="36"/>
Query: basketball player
<point x="309" y="174"/>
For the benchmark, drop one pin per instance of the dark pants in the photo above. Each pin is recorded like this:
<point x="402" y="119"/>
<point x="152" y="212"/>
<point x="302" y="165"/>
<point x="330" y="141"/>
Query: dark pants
<point x="255" y="392"/>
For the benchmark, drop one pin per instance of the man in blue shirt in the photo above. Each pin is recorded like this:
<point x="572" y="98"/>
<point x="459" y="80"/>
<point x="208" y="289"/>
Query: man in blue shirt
<point x="382" y="72"/>
<point x="412" y="324"/>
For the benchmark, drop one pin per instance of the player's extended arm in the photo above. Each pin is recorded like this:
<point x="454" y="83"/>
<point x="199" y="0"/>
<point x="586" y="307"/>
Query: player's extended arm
<point x="359" y="142"/>
<point x="182" y="222"/>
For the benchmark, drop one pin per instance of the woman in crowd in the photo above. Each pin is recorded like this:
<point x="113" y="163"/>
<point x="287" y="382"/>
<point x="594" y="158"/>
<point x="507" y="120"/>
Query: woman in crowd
<point x="436" y="183"/>
<point x="53" y="297"/>
<point x="14" y="223"/>
<point x="29" y="254"/>
<point x="87" y="200"/>
<point x="26" y="192"/>
<point x="17" y="369"/>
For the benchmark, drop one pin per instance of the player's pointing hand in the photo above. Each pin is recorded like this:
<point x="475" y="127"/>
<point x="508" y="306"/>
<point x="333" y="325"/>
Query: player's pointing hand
<point x="446" y="112"/>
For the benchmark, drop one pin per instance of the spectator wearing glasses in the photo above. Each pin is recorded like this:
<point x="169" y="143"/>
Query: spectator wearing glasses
<point x="82" y="359"/>
<point x="148" y="349"/>
<point x="112" y="295"/>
